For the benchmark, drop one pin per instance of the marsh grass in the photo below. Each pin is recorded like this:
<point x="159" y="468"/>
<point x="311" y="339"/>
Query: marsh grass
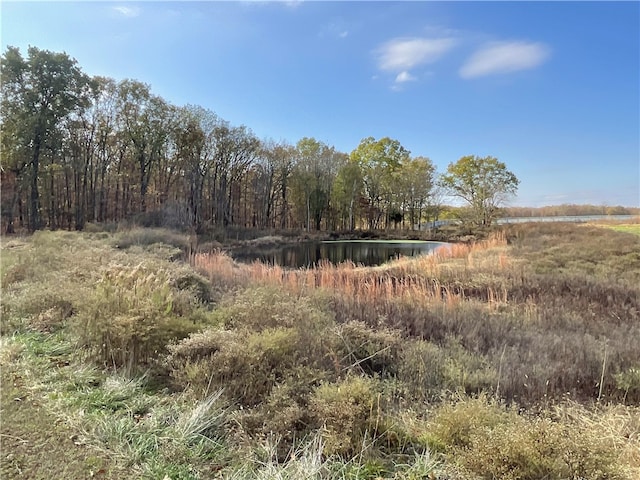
<point x="511" y="357"/>
<point x="144" y="237"/>
<point x="545" y="332"/>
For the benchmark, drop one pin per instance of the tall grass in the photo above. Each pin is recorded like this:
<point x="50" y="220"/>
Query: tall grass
<point x="403" y="278"/>
<point x="545" y="333"/>
<point x="513" y="357"/>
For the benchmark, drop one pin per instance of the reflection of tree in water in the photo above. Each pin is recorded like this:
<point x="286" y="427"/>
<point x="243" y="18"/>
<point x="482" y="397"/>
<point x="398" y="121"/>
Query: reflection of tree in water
<point x="308" y="255"/>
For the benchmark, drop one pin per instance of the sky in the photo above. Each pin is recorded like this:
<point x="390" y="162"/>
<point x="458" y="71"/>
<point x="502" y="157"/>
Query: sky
<point x="552" y="89"/>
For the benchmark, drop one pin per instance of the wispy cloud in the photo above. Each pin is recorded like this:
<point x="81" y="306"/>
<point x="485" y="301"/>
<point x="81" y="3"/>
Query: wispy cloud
<point x="404" y="77"/>
<point x="128" y="12"/>
<point x="504" y="57"/>
<point x="293" y="3"/>
<point x="268" y="3"/>
<point x="337" y="28"/>
<point x="403" y="54"/>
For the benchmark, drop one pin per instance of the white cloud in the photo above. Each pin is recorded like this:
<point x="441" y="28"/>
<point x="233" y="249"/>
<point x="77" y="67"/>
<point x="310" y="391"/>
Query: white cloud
<point x="129" y="12"/>
<point x="504" y="57"/>
<point x="402" y="54"/>
<point x="343" y="34"/>
<point x="405" y="77"/>
<point x="293" y="3"/>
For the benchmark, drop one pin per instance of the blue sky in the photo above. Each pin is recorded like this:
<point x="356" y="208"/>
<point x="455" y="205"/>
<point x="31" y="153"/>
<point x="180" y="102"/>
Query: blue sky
<point x="550" y="88"/>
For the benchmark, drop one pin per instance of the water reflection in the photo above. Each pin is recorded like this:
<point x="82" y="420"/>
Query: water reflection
<point x="368" y="253"/>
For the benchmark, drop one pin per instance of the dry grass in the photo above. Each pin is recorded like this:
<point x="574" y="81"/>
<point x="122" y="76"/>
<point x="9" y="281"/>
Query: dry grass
<point x="402" y="279"/>
<point x="544" y="319"/>
<point x="544" y="330"/>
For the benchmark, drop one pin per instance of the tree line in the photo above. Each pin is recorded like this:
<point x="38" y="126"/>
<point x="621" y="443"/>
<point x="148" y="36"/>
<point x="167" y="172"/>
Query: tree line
<point x="79" y="149"/>
<point x="568" y="209"/>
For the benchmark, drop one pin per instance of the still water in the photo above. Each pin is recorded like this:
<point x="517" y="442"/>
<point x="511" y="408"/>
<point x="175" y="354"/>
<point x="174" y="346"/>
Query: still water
<point x="364" y="252"/>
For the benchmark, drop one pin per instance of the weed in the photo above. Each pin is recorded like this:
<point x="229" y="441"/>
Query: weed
<point x="350" y="413"/>
<point x="339" y="371"/>
<point x="132" y="316"/>
<point x="150" y="236"/>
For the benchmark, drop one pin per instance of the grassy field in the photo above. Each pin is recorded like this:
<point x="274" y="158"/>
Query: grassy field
<point x="515" y="357"/>
<point x="632" y="228"/>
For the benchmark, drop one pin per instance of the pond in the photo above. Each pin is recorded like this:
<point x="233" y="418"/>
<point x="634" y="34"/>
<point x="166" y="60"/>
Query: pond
<point x="309" y="254"/>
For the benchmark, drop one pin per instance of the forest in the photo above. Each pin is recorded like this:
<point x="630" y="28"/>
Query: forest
<point x="80" y="149"/>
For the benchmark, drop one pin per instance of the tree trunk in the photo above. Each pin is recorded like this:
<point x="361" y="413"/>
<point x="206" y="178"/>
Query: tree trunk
<point x="12" y="206"/>
<point x="34" y="218"/>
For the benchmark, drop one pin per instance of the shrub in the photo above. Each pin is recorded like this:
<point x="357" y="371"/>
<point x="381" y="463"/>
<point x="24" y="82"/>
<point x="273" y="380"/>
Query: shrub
<point x="351" y="414"/>
<point x="247" y="365"/>
<point x="285" y="413"/>
<point x="628" y="381"/>
<point x="15" y="273"/>
<point x="260" y="308"/>
<point x="132" y="315"/>
<point x="372" y="351"/>
<point x="265" y="337"/>
<point x="518" y="450"/>
<point x="196" y="285"/>
<point x="36" y="307"/>
<point x="421" y="369"/>
<point x="150" y="236"/>
<point x="491" y="441"/>
<point x="530" y="449"/>
<point x="453" y="425"/>
<point x="466" y="370"/>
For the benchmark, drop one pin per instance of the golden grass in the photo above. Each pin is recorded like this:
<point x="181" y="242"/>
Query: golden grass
<point x="401" y="279"/>
<point x="518" y="317"/>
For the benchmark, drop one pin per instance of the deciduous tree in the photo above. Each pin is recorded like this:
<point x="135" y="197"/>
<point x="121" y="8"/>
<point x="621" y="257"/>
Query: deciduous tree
<point x="379" y="160"/>
<point x="37" y="93"/>
<point x="483" y="182"/>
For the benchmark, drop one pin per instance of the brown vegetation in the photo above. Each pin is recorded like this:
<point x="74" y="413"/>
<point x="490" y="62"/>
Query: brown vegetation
<point x="546" y="330"/>
<point x="511" y="357"/>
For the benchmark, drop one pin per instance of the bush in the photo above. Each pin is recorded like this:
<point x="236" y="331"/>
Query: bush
<point x="350" y="413"/>
<point x="150" y="236"/>
<point x="371" y="351"/>
<point x="247" y="365"/>
<point x="518" y="450"/>
<point x="196" y="285"/>
<point x="452" y="425"/>
<point x="265" y="337"/>
<point x="490" y="441"/>
<point x="260" y="308"/>
<point x="36" y="307"/>
<point x="132" y="315"/>
<point x="468" y="371"/>
<point x="530" y="449"/>
<point x="285" y="413"/>
<point x="421" y="369"/>
<point x="628" y="381"/>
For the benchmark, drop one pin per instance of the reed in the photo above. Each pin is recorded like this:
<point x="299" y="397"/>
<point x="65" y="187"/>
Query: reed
<point x="492" y="295"/>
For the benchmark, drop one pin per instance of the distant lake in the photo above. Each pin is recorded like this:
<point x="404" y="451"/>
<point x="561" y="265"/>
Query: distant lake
<point x="565" y="218"/>
<point x="555" y="218"/>
<point x="309" y="254"/>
